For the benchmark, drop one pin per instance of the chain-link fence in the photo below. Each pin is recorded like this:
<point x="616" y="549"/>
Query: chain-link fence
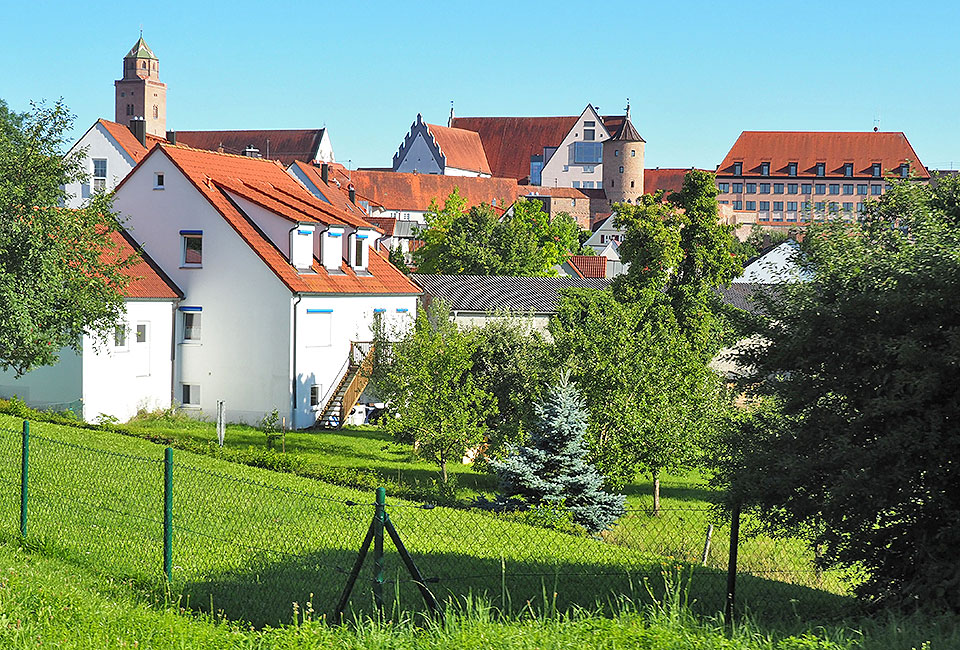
<point x="247" y="544"/>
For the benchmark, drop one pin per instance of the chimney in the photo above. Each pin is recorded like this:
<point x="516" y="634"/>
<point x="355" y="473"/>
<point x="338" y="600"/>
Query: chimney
<point x="138" y="126"/>
<point x="351" y="190"/>
<point x="325" y="173"/>
<point x="172" y="137"/>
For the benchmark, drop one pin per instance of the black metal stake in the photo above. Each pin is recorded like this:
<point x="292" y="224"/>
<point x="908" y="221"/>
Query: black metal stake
<point x="732" y="566"/>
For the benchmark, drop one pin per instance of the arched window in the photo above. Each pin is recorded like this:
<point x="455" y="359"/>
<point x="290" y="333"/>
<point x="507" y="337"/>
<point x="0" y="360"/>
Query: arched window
<point x="621" y="169"/>
<point x="156" y="112"/>
<point x="143" y="64"/>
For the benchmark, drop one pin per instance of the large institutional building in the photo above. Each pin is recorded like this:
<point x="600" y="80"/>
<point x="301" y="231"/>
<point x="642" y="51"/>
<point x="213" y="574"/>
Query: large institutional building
<point x="792" y="177"/>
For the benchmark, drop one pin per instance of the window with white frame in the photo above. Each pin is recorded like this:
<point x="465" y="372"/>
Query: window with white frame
<point x="190" y="394"/>
<point x="158" y="181"/>
<point x="315" y="396"/>
<point x="192" y="248"/>
<point x="191" y="317"/>
<point x="319" y="326"/>
<point x="99" y="174"/>
<point x="120" y="337"/>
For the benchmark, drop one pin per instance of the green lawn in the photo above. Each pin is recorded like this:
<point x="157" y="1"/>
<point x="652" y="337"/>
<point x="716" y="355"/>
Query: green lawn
<point x="47" y="602"/>
<point x="365" y="456"/>
<point x="250" y="542"/>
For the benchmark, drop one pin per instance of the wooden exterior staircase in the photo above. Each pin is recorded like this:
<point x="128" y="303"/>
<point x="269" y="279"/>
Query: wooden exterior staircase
<point x="345" y="396"/>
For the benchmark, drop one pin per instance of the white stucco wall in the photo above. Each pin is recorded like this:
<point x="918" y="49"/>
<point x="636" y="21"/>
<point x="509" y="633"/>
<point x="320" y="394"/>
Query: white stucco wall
<point x="778" y="266"/>
<point x="118" y="382"/>
<point x="419" y="158"/>
<point x="57" y="387"/>
<point x="326" y="324"/>
<point x="325" y="149"/>
<point x="99" y="144"/>
<point x="244" y="355"/>
<point x="453" y="171"/>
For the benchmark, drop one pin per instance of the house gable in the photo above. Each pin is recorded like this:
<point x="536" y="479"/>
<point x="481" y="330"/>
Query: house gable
<point x="419" y="152"/>
<point x="565" y="167"/>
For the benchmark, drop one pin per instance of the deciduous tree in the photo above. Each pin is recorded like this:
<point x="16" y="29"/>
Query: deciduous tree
<point x="864" y="363"/>
<point x="60" y="274"/>
<point x="433" y="400"/>
<point x="651" y="398"/>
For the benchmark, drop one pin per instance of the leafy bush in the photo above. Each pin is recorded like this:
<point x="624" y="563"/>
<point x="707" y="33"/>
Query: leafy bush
<point x="864" y="364"/>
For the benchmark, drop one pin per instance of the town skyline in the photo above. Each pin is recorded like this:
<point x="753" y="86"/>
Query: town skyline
<point x="366" y="77"/>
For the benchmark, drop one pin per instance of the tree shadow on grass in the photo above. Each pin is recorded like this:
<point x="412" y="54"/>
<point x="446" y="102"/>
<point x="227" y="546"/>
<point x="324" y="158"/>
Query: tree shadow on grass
<point x="265" y="592"/>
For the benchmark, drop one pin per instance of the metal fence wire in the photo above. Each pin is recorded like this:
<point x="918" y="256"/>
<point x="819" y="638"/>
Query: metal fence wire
<point x="246" y="544"/>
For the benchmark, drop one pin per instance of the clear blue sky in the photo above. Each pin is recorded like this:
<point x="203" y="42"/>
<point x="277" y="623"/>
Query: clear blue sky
<point x="697" y="74"/>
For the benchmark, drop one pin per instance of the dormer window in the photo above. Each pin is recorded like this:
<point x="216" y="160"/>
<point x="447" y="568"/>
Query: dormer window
<point x="821" y="169"/>
<point x="301" y="246"/>
<point x="792" y="169"/>
<point x="904" y="170"/>
<point x="765" y="169"/>
<point x="848" y="169"/>
<point x="332" y="249"/>
<point x="876" y="171"/>
<point x="738" y="169"/>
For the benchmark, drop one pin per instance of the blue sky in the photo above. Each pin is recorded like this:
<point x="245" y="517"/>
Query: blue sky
<point x="697" y="74"/>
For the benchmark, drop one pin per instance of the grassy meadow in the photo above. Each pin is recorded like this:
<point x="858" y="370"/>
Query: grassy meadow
<point x="249" y="542"/>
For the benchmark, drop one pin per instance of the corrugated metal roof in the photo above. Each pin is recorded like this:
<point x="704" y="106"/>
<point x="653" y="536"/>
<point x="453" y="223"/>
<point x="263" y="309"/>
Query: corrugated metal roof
<point x="492" y="293"/>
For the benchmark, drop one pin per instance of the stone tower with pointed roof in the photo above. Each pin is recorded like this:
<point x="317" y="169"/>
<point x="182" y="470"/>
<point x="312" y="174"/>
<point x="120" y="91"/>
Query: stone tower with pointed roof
<point x="623" y="164"/>
<point x="140" y="93"/>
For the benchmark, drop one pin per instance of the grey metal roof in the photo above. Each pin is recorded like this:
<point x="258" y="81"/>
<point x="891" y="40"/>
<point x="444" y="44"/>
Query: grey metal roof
<point x="491" y="293"/>
<point x="743" y="295"/>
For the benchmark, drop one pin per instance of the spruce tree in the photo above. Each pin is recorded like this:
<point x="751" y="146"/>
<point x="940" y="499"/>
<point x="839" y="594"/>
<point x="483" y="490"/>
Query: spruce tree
<point x="553" y="469"/>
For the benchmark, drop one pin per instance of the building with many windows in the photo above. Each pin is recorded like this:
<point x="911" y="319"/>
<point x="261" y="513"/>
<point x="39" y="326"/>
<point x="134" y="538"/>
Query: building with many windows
<point x="791" y="177"/>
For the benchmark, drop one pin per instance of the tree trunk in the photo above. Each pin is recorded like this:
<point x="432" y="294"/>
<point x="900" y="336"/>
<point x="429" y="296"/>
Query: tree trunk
<point x="656" y="492"/>
<point x="443" y="467"/>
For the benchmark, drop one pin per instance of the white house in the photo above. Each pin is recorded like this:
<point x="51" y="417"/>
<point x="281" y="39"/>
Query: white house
<point x="116" y="373"/>
<point x="108" y="151"/>
<point x="603" y="236"/>
<point x="278" y="285"/>
<point x="777" y="265"/>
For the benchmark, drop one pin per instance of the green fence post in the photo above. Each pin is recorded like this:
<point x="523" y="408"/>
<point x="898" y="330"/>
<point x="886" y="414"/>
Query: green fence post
<point x="378" y="521"/>
<point x="168" y="513"/>
<point x="24" y="477"/>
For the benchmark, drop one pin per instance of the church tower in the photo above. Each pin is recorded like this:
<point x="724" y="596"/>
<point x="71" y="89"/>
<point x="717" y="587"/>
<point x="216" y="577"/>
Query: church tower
<point x="140" y="94"/>
<point x="623" y="164"/>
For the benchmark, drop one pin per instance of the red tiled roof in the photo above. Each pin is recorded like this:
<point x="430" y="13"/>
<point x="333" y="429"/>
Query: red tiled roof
<point x="147" y="280"/>
<point x="267" y="184"/>
<point x="337" y="196"/>
<point x="125" y="139"/>
<point x="386" y="224"/>
<point x="589" y="266"/>
<point x="558" y="192"/>
<point x="285" y="145"/>
<point x="508" y="142"/>
<point x="402" y="191"/>
<point x="669" y="180"/>
<point x="461" y="148"/>
<point x="128" y="141"/>
<point x="807" y="148"/>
